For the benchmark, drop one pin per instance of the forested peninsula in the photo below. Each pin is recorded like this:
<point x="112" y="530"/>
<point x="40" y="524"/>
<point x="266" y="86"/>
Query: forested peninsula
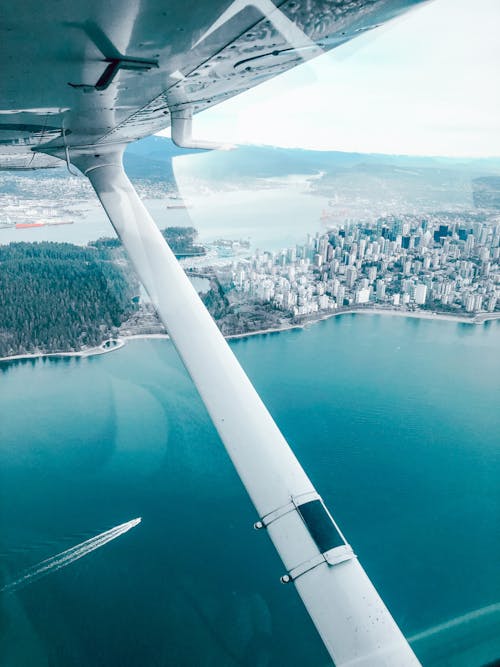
<point x="60" y="297"/>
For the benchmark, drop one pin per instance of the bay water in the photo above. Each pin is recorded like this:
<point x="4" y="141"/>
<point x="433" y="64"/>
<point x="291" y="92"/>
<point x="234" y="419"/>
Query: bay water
<point x="397" y="422"/>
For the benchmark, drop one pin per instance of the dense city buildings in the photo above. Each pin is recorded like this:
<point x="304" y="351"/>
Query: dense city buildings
<point x="445" y="262"/>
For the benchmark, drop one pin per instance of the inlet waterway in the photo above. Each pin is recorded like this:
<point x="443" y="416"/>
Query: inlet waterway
<point x="397" y="422"/>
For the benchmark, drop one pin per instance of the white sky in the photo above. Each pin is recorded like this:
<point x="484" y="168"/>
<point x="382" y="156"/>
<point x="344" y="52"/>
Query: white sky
<point x="428" y="84"/>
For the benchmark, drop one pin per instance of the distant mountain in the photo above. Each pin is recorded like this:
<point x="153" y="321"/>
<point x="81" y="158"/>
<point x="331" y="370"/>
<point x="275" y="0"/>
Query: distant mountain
<point x="150" y="158"/>
<point x="487" y="192"/>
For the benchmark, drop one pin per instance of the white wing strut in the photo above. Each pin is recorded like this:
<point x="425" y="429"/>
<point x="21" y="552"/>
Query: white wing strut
<point x="347" y="611"/>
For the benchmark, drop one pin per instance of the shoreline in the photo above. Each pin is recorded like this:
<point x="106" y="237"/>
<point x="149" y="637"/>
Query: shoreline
<point x="121" y="341"/>
<point x="460" y="319"/>
<point x="88" y="352"/>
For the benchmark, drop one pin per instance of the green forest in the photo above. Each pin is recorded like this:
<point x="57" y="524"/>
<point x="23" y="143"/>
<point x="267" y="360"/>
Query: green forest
<point x="182" y="241"/>
<point x="60" y="297"/>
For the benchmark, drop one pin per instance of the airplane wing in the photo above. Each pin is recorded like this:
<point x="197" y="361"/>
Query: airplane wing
<point x="78" y="74"/>
<point x="80" y="81"/>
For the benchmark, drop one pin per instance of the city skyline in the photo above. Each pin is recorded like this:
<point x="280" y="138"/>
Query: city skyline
<point x="446" y="262"/>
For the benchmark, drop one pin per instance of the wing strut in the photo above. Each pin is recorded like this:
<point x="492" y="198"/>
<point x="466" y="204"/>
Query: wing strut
<point x="347" y="611"/>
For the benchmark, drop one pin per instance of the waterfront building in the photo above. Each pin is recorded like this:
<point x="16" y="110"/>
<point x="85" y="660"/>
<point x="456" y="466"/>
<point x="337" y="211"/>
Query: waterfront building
<point x="362" y="295"/>
<point x="361" y="262"/>
<point x="420" y="294"/>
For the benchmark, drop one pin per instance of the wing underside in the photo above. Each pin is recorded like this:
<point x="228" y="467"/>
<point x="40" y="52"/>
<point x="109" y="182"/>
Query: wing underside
<point x="78" y="75"/>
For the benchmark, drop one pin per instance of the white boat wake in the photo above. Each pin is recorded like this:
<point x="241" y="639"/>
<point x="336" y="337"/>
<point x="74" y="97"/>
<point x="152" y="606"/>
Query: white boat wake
<point x="477" y="614"/>
<point x="69" y="556"/>
<point x="470" y="639"/>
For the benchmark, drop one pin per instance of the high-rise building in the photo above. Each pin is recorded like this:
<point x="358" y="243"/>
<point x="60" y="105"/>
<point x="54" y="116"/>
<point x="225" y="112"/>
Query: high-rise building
<point x="318" y="259"/>
<point x="363" y="295"/>
<point x="340" y="295"/>
<point x="420" y="294"/>
<point x="362" y="248"/>
<point x="380" y="292"/>
<point x="350" y="276"/>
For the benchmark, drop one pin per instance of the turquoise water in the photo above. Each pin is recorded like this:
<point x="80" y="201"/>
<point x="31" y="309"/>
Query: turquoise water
<point x="396" y="420"/>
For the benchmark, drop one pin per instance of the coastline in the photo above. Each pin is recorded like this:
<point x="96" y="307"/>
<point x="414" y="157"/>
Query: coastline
<point x="117" y="343"/>
<point x="460" y="319"/>
<point x="112" y="344"/>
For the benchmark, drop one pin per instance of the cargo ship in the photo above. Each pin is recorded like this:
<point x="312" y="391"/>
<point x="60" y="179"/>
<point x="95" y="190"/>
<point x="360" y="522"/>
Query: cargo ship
<point x="28" y="225"/>
<point x="177" y="202"/>
<point x="31" y="225"/>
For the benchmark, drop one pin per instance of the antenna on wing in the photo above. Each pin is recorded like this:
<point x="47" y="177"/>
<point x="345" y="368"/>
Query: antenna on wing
<point x="66" y="154"/>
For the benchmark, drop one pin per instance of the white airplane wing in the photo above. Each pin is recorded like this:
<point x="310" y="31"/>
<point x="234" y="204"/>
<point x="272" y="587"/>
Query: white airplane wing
<point x="90" y="73"/>
<point x="82" y="79"/>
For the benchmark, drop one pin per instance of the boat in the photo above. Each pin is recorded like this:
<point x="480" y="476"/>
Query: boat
<point x="29" y="225"/>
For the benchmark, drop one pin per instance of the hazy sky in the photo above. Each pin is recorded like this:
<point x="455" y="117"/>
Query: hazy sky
<point x="428" y="83"/>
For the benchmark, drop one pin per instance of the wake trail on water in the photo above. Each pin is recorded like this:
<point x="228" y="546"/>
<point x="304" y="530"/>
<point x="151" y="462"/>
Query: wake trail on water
<point x="482" y="613"/>
<point x="69" y="556"/>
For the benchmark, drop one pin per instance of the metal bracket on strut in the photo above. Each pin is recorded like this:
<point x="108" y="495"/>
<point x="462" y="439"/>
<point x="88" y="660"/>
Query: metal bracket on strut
<point x="332" y="557"/>
<point x="268" y="518"/>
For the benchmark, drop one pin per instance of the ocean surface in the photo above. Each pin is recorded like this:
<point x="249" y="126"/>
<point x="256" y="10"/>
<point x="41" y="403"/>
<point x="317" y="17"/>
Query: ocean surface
<point x="397" y="422"/>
